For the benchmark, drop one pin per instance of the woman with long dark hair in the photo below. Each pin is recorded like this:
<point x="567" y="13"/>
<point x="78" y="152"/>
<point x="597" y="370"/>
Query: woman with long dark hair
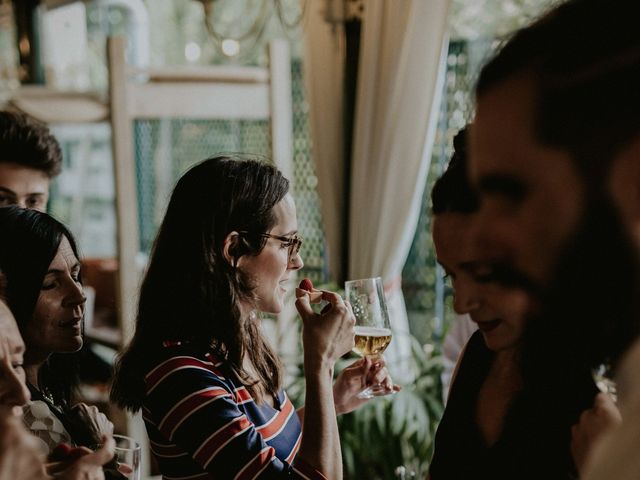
<point x="39" y="259"/>
<point x="207" y="381"/>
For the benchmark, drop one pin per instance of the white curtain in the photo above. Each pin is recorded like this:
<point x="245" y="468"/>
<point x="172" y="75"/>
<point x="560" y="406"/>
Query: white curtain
<point x="324" y="81"/>
<point x="401" y="69"/>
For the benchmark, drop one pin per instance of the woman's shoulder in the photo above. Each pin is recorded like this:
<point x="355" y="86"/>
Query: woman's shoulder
<point x="173" y="360"/>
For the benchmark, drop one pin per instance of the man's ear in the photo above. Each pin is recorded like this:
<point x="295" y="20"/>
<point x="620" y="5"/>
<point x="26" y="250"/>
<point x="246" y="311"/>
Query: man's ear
<point x="624" y="185"/>
<point x="232" y="248"/>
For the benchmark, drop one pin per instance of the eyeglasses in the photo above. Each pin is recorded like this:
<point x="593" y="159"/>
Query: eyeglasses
<point x="293" y="243"/>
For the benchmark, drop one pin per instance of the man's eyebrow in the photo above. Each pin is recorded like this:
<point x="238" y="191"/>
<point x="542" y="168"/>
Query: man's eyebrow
<point x="502" y="184"/>
<point x="7" y="190"/>
<point x="470" y="266"/>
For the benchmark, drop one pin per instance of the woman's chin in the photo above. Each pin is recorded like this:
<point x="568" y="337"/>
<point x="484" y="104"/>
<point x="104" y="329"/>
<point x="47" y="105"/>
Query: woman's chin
<point x="273" y="308"/>
<point x="72" y="346"/>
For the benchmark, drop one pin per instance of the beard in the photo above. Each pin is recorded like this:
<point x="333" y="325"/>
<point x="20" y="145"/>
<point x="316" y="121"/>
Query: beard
<point x="588" y="315"/>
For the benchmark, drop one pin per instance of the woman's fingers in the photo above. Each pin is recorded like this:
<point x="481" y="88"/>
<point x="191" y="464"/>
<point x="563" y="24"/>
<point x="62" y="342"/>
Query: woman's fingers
<point x="332" y="297"/>
<point x="327" y="335"/>
<point x="104" y="453"/>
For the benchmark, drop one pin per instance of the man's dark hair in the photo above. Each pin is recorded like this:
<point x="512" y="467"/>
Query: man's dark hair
<point x="452" y="192"/>
<point x="28" y="143"/>
<point x="584" y="58"/>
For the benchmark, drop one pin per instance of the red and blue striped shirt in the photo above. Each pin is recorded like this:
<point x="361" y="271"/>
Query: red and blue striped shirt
<point x="203" y="423"/>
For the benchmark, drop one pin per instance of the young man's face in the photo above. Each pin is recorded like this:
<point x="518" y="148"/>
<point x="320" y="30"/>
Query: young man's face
<point x="531" y="195"/>
<point x="22" y="186"/>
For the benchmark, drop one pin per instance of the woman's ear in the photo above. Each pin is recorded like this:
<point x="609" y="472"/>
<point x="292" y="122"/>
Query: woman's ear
<point x="231" y="248"/>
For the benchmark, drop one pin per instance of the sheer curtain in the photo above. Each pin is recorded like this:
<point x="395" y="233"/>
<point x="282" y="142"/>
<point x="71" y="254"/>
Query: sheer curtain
<point x="402" y="56"/>
<point x="324" y="80"/>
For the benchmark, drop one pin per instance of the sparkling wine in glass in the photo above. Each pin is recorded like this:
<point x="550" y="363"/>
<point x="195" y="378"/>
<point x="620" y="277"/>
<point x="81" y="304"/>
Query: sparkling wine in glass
<point x="372" y="330"/>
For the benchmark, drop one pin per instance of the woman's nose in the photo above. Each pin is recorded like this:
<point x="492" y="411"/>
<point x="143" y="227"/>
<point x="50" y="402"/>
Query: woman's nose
<point x="465" y="302"/>
<point x="295" y="262"/>
<point x="75" y="296"/>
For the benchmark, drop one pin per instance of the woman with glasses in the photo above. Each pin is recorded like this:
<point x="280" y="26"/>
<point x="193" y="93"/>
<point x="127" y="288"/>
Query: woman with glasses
<point x="199" y="367"/>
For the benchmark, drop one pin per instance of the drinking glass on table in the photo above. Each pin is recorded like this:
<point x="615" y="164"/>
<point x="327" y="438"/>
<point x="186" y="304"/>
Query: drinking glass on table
<point x="373" y="332"/>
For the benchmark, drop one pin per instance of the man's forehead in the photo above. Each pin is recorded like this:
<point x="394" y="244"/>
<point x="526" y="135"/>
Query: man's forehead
<point x="505" y="115"/>
<point x="16" y="175"/>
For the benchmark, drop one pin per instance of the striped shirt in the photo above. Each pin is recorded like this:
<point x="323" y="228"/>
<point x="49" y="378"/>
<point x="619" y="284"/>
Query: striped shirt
<point x="203" y="423"/>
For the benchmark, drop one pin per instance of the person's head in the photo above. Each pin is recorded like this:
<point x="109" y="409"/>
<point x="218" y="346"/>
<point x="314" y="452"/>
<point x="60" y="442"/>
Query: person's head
<point x="13" y="389"/>
<point x="453" y="207"/>
<point x="30" y="157"/>
<point x="226" y="247"/>
<point x="218" y="238"/>
<point x="498" y="311"/>
<point x="39" y="258"/>
<point x="554" y="107"/>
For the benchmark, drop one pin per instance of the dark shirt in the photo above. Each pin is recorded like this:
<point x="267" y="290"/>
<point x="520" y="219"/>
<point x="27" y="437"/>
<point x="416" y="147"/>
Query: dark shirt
<point x="532" y="445"/>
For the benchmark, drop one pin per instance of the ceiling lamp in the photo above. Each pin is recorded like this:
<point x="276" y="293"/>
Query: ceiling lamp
<point x="239" y="30"/>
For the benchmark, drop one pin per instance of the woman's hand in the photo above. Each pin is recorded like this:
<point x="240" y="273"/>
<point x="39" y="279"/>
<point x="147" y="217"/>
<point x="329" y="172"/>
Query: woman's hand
<point x="593" y="424"/>
<point x="355" y="378"/>
<point x="327" y="335"/>
<point x="89" y="466"/>
<point x="92" y="424"/>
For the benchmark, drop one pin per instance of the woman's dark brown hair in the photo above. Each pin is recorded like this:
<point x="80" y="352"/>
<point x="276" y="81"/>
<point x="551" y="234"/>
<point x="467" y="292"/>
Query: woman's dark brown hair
<point x="190" y="291"/>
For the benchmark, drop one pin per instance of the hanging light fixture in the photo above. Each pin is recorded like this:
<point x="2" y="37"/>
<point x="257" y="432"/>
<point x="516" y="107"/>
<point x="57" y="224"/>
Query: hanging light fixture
<point x="243" y="31"/>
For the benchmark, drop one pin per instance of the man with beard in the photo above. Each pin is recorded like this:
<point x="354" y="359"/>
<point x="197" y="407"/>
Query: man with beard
<point x="553" y="152"/>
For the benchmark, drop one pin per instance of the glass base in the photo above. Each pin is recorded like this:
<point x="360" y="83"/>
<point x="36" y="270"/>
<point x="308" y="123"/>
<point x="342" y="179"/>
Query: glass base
<point x="374" y="391"/>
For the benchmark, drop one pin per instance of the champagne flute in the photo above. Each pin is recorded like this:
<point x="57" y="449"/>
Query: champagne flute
<point x="372" y="330"/>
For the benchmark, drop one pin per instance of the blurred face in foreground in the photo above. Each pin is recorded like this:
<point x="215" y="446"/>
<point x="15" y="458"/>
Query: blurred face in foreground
<point x="13" y="390"/>
<point x="531" y="195"/>
<point x="624" y="185"/>
<point x="499" y="312"/>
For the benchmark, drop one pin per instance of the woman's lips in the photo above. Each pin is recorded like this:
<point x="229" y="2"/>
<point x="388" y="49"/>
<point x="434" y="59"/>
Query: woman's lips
<point x="486" y="327"/>
<point x="74" y="324"/>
